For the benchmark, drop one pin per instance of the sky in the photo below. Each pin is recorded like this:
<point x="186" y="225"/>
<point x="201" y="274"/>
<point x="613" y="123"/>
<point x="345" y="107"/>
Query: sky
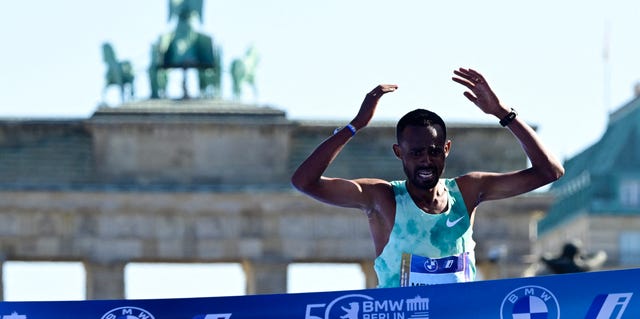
<point x="563" y="65"/>
<point x="544" y="58"/>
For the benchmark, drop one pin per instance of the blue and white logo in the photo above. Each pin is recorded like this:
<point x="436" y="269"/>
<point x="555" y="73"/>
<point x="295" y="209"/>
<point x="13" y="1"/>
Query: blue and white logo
<point x="346" y="307"/>
<point x="530" y="302"/>
<point x="431" y="265"/>
<point x="359" y="306"/>
<point x="128" y="313"/>
<point x="609" y="306"/>
<point x="14" y="315"/>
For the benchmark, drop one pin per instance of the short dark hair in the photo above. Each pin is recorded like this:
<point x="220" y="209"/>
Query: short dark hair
<point x="420" y="117"/>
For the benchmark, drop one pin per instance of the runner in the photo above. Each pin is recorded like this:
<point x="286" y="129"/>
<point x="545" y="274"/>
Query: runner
<point x="422" y="226"/>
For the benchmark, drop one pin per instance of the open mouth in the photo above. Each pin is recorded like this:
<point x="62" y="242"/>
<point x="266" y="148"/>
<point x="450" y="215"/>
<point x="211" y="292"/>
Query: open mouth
<point x="425" y="173"/>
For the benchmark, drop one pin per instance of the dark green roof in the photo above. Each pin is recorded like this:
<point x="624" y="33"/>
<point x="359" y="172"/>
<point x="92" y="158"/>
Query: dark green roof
<point x="590" y="183"/>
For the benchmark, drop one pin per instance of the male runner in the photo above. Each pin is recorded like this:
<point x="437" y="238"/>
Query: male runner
<point x="422" y="227"/>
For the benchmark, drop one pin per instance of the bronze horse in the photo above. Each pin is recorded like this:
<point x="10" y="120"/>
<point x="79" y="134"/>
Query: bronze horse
<point x="119" y="73"/>
<point x="243" y="71"/>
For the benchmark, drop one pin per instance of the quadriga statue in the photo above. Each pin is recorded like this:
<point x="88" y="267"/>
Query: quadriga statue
<point x="186" y="48"/>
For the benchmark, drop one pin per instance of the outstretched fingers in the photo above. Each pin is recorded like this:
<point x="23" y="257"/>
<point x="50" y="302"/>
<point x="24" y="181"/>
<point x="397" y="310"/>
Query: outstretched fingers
<point x="479" y="91"/>
<point x="382" y="89"/>
<point x="469" y="78"/>
<point x="370" y="103"/>
<point x="474" y="81"/>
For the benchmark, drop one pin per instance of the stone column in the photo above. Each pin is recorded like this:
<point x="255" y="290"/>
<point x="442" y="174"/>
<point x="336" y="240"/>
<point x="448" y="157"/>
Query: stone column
<point x="105" y="280"/>
<point x="2" y="279"/>
<point x="370" y="277"/>
<point x="266" y="277"/>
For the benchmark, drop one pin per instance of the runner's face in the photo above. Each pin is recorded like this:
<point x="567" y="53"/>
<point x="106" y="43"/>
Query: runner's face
<point x="423" y="151"/>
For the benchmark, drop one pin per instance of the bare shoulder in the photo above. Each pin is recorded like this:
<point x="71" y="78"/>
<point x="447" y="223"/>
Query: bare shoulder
<point x="375" y="186"/>
<point x="470" y="186"/>
<point x="477" y="187"/>
<point x="380" y="194"/>
<point x="469" y="181"/>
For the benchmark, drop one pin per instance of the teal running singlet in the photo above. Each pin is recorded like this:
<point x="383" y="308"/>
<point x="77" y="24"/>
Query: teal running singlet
<point x="425" y="249"/>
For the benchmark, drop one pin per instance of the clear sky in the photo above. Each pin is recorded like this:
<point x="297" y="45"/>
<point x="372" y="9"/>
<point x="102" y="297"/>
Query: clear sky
<point x="564" y="65"/>
<point x="545" y="58"/>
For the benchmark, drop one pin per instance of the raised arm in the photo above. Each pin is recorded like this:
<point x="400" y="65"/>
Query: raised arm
<point x="481" y="186"/>
<point x="308" y="177"/>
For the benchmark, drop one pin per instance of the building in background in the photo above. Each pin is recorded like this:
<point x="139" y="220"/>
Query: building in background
<point x="598" y="199"/>
<point x="206" y="181"/>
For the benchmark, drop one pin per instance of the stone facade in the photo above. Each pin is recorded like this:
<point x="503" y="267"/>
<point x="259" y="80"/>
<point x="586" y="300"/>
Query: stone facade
<point x="263" y="231"/>
<point x="209" y="182"/>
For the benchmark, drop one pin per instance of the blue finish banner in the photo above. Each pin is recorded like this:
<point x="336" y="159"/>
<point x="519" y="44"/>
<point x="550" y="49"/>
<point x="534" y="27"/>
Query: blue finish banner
<point x="593" y="295"/>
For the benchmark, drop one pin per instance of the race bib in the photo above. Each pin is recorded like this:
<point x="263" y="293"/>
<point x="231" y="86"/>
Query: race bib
<point x="421" y="271"/>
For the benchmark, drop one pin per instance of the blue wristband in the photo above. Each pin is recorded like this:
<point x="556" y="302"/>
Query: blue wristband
<point x="352" y="129"/>
<point x="349" y="127"/>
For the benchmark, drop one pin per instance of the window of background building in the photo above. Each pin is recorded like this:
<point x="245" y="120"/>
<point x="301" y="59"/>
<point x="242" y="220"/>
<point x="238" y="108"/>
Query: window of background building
<point x="314" y="277"/>
<point x="43" y="281"/>
<point x="630" y="248"/>
<point x="630" y="193"/>
<point x="179" y="280"/>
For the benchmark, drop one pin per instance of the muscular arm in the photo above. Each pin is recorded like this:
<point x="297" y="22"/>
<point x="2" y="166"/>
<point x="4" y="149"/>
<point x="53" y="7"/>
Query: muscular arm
<point x="481" y="186"/>
<point x="309" y="179"/>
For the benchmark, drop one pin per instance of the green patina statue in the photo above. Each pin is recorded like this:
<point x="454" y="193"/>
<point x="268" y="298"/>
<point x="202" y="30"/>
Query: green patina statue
<point x="158" y="77"/>
<point x="119" y="73"/>
<point x="243" y="71"/>
<point x="186" y="48"/>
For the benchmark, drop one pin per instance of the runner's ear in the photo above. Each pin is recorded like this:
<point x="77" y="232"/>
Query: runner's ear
<point x="447" y="148"/>
<point x="396" y="150"/>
